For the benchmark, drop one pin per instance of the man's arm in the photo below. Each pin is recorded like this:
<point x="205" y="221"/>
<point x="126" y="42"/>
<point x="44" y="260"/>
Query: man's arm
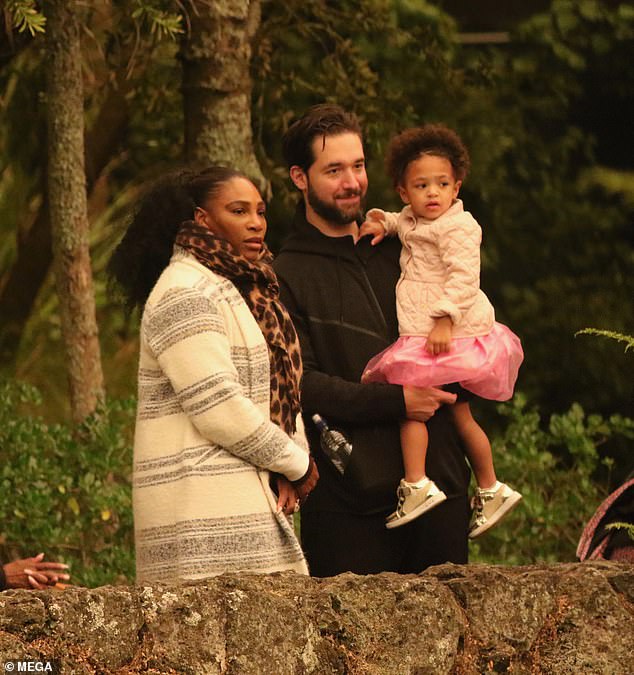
<point x="333" y="396"/>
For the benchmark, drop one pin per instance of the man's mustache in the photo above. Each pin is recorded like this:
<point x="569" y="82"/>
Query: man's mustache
<point x="349" y="193"/>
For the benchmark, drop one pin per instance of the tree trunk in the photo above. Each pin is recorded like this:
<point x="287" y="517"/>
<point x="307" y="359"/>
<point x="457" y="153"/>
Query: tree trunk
<point x="68" y="207"/>
<point x="23" y="281"/>
<point x="217" y="85"/>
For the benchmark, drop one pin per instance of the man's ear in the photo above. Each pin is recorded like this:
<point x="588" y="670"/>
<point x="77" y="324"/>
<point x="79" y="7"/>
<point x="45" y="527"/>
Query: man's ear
<point x="298" y="176"/>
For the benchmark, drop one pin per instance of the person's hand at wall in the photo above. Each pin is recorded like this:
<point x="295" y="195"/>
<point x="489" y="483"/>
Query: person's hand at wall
<point x="34" y="572"/>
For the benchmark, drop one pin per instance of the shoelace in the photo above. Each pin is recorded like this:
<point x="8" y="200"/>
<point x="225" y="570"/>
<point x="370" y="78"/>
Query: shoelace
<point x="401" y="501"/>
<point x="480" y="497"/>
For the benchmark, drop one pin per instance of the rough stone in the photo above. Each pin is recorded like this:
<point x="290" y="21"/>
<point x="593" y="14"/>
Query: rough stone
<point x="568" y="618"/>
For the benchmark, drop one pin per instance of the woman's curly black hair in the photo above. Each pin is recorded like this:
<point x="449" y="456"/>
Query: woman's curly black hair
<point x="147" y="245"/>
<point x="430" y="139"/>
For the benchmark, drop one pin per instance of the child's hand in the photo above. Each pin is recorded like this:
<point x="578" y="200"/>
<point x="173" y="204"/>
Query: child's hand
<point x="374" y="228"/>
<point x="439" y="340"/>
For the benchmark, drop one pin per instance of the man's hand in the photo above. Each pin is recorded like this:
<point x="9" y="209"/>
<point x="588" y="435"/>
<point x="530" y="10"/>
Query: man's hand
<point x="34" y="573"/>
<point x="439" y="339"/>
<point x="422" y="402"/>
<point x="375" y="229"/>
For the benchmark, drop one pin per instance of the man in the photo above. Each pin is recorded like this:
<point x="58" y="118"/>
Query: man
<point x="340" y="292"/>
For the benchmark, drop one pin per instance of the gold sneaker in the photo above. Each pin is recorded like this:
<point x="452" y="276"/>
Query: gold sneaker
<point x="413" y="502"/>
<point x="490" y="506"/>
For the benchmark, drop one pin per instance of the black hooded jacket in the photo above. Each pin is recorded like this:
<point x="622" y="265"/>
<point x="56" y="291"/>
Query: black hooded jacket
<point x="341" y="298"/>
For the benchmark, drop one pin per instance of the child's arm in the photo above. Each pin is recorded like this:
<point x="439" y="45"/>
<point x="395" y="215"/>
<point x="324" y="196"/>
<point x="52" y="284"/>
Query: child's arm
<point x="378" y="223"/>
<point x="374" y="228"/>
<point x="439" y="338"/>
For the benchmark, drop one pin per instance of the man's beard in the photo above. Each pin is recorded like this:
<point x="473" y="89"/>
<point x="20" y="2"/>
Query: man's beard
<point x="332" y="213"/>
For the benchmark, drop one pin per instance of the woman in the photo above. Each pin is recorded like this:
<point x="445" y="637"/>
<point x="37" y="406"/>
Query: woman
<point x="218" y="384"/>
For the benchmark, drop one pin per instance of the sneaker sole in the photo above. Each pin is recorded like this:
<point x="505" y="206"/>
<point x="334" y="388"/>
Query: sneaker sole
<point x="418" y="511"/>
<point x="506" y="508"/>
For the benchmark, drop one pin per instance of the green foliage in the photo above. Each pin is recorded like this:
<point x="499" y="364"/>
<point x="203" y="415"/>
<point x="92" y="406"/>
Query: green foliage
<point x="70" y="495"/>
<point x="535" y="185"/>
<point x="619" y="337"/>
<point x="629" y="342"/>
<point x="150" y="16"/>
<point x="627" y="527"/>
<point x="389" y="61"/>
<point x="161" y="23"/>
<point x="25" y="16"/>
<point x="555" y="469"/>
<point x="557" y="249"/>
<point x="67" y="494"/>
<point x="120" y="53"/>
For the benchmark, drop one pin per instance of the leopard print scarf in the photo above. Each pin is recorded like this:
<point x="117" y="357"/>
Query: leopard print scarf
<point x="258" y="285"/>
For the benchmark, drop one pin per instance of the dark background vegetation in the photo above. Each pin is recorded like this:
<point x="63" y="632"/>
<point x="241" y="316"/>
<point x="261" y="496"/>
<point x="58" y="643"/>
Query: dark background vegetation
<point x="543" y="95"/>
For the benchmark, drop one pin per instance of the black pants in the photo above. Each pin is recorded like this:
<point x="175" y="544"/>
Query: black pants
<point x="348" y="542"/>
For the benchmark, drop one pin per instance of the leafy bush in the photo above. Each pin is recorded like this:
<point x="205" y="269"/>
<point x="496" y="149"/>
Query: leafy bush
<point x="67" y="494"/>
<point x="555" y="469"/>
<point x="70" y="494"/>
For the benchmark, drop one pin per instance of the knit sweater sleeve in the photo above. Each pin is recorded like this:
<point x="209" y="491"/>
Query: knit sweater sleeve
<point x="186" y="332"/>
<point x="459" y="246"/>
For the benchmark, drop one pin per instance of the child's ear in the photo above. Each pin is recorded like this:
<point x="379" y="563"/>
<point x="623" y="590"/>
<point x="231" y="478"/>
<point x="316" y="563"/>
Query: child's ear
<point x="456" y="188"/>
<point x="403" y="194"/>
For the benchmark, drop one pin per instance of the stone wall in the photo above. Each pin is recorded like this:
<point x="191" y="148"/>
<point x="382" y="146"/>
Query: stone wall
<point x="560" y="619"/>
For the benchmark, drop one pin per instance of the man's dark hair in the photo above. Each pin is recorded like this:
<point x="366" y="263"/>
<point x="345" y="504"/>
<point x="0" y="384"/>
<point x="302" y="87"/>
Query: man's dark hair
<point x="430" y="139"/>
<point x="324" y="119"/>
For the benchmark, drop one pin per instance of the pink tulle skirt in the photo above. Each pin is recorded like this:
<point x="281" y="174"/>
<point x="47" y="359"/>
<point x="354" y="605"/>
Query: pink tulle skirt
<point x="486" y="365"/>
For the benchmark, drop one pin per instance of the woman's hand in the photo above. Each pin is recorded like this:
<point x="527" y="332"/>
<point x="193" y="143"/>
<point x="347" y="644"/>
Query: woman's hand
<point x="287" y="497"/>
<point x="34" y="573"/>
<point x="439" y="339"/>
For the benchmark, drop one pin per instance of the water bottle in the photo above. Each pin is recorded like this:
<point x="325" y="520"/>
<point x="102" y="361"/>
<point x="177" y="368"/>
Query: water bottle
<point x="333" y="443"/>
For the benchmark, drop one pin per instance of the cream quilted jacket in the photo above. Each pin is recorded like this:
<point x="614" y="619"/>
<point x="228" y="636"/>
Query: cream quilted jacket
<point x="440" y="271"/>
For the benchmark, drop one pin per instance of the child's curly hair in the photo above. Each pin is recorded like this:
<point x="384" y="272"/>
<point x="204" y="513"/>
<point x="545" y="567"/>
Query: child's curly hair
<point x="430" y="139"/>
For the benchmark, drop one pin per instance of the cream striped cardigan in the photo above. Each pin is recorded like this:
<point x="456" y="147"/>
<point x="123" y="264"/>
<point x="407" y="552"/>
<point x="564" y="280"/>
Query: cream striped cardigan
<point x="204" y="444"/>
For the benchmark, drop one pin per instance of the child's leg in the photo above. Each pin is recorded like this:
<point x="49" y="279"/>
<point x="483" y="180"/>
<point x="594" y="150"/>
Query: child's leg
<point x="477" y="444"/>
<point x="416" y="493"/>
<point x="492" y="500"/>
<point x="414" y="447"/>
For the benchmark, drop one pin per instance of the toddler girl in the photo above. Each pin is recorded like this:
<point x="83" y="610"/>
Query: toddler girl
<point x="447" y="326"/>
